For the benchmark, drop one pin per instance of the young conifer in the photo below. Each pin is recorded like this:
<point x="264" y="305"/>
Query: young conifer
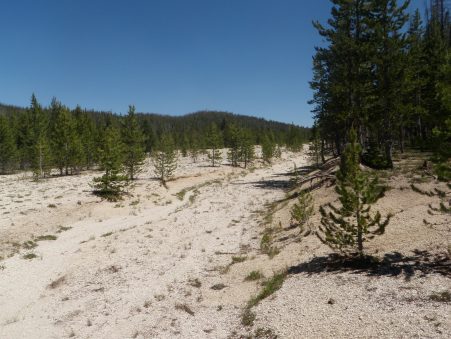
<point x="346" y="228"/>
<point x="134" y="148"/>
<point x="37" y="141"/>
<point x="268" y="149"/>
<point x="246" y="151"/>
<point x="111" y="156"/>
<point x="214" y="142"/>
<point x="8" y="150"/>
<point x="165" y="159"/>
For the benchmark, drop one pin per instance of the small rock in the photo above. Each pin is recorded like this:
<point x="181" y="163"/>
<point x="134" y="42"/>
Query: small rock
<point x="331" y="301"/>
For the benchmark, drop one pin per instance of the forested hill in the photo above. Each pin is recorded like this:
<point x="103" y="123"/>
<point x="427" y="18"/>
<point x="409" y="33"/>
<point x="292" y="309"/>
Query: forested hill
<point x="196" y="124"/>
<point x="21" y="129"/>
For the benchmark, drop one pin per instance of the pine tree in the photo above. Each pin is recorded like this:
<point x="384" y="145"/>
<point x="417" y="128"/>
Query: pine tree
<point x="414" y="109"/>
<point x="194" y="148"/>
<point x="302" y="210"/>
<point x="165" y="159"/>
<point x="86" y="133"/>
<point x="65" y="144"/>
<point x="388" y="42"/>
<point x="268" y="148"/>
<point x="214" y="143"/>
<point x="8" y="150"/>
<point x="134" y="142"/>
<point x="247" y="150"/>
<point x="346" y="228"/>
<point x="111" y="157"/>
<point x="342" y="71"/>
<point x="314" y="151"/>
<point x="234" y="140"/>
<point x="185" y="146"/>
<point x="37" y="144"/>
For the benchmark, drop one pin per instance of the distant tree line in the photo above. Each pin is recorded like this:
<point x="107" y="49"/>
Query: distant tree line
<point x="387" y="75"/>
<point x="41" y="138"/>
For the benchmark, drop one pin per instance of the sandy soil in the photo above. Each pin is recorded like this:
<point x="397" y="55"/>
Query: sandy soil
<point x="136" y="268"/>
<point x="167" y="263"/>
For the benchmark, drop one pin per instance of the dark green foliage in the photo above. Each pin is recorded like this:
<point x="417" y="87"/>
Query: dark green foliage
<point x="444" y="296"/>
<point x="302" y="210"/>
<point x="247" y="150"/>
<point x="37" y="144"/>
<point x="214" y="144"/>
<point x="388" y="80"/>
<point x="374" y="157"/>
<point x="269" y="287"/>
<point x="165" y="159"/>
<point x="66" y="147"/>
<point x="346" y="228"/>
<point x="315" y="150"/>
<point x="8" y="150"/>
<point x="133" y="140"/>
<point x="111" y="157"/>
<point x="86" y="133"/>
<point x="268" y="148"/>
<point x="233" y="135"/>
<point x="254" y="275"/>
<point x="55" y="137"/>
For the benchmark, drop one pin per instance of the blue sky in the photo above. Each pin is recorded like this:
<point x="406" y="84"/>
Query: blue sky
<point x="167" y="56"/>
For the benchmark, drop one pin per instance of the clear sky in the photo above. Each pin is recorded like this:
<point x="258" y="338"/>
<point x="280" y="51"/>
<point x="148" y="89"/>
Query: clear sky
<point x="164" y="56"/>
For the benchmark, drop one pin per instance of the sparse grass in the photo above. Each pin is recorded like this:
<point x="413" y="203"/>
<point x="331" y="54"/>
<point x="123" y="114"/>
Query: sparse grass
<point x="254" y="275"/>
<point x="218" y="287"/>
<point x="266" y="243"/>
<point x="134" y="202"/>
<point x="247" y="317"/>
<point x="63" y="229"/>
<point x="195" y="283"/>
<point x="29" y="256"/>
<point x="58" y="282"/>
<point x="270" y="286"/>
<point x="237" y="259"/>
<point x="51" y="206"/>
<point x="273" y="251"/>
<point x="29" y="244"/>
<point x="444" y="297"/>
<point x="180" y="195"/>
<point x="184" y="307"/>
<point x="160" y="297"/>
<point x="46" y="237"/>
<point x="264" y="333"/>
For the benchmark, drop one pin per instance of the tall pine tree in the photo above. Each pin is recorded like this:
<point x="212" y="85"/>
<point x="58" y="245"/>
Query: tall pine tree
<point x="134" y="144"/>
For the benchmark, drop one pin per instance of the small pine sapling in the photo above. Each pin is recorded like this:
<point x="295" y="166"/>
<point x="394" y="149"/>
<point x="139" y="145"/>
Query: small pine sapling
<point x="346" y="228"/>
<point x="301" y="212"/>
<point x="165" y="159"/>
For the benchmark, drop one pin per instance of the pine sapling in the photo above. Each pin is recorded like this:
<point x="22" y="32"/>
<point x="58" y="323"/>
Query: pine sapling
<point x="347" y="227"/>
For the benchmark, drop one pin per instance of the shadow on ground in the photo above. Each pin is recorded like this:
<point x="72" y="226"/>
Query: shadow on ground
<point x="392" y="264"/>
<point x="274" y="182"/>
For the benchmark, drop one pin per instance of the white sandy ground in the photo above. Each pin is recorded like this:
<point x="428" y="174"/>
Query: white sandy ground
<point x="135" y="269"/>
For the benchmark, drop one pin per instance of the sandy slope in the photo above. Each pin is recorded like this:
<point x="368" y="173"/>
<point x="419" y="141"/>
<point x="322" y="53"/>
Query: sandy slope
<point x="125" y="270"/>
<point x="145" y="267"/>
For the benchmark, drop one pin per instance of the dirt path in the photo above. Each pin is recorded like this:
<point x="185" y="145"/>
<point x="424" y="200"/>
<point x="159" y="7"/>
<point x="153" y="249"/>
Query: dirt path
<point x="144" y="268"/>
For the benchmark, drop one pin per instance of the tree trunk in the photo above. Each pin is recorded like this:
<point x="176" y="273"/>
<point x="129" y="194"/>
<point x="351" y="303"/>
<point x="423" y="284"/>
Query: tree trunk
<point x="401" y="139"/>
<point x="359" y="234"/>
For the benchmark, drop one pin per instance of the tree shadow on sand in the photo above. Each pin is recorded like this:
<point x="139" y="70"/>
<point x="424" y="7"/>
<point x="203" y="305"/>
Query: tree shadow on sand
<point x="279" y="181"/>
<point x="392" y="264"/>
